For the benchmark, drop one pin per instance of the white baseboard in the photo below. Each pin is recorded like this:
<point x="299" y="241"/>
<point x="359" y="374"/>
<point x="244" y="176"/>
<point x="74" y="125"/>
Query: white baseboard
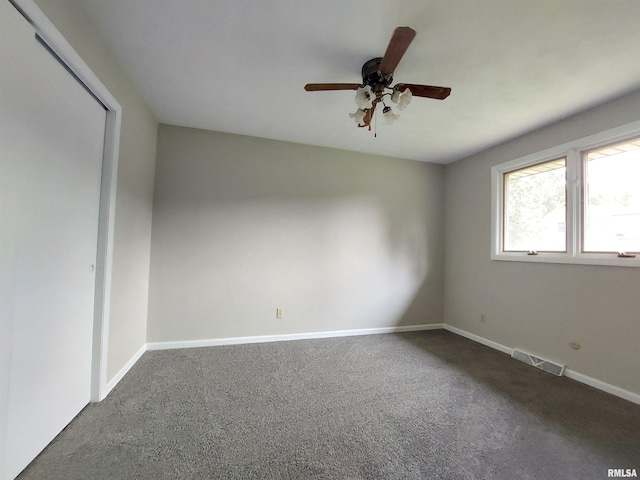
<point x="256" y="339"/>
<point x="123" y="371"/>
<point x="479" y="339"/>
<point x="605" y="387"/>
<point x="592" y="382"/>
<point x="288" y="336"/>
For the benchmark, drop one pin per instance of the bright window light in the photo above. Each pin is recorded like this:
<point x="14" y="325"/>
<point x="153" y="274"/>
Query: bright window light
<point x="535" y="208"/>
<point x="612" y="198"/>
<point x="576" y="203"/>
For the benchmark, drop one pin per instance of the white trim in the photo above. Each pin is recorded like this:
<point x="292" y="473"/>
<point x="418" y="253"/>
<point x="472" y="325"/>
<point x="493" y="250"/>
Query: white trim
<point x="123" y="371"/>
<point x="104" y="267"/>
<point x="479" y="339"/>
<point x="600" y="385"/>
<point x="592" y="382"/>
<point x="104" y="261"/>
<point x="50" y="34"/>
<point x="572" y="151"/>
<point x="287" y="337"/>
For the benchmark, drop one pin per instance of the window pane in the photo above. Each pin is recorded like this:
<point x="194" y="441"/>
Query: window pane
<point x="612" y="198"/>
<point x="535" y="208"/>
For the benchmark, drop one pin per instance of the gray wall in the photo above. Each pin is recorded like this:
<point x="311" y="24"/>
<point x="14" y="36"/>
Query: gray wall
<point x="134" y="197"/>
<point x="243" y="225"/>
<point x="540" y="307"/>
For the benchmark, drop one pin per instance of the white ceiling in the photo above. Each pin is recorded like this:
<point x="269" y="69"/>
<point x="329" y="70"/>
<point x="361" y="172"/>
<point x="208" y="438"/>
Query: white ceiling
<point x="240" y="66"/>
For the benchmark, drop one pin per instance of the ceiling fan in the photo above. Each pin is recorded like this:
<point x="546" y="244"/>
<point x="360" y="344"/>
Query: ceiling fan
<point x="377" y="76"/>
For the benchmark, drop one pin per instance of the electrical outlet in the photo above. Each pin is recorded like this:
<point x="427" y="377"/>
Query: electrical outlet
<point x="279" y="312"/>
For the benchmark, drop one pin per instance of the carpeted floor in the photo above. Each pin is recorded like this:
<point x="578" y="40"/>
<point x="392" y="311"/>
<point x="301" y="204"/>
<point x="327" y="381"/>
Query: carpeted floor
<point x="423" y="405"/>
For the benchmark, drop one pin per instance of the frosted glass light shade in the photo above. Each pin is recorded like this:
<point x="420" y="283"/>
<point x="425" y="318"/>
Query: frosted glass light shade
<point x="364" y="97"/>
<point x="402" y="99"/>
<point x="389" y="116"/>
<point x="358" y="116"/>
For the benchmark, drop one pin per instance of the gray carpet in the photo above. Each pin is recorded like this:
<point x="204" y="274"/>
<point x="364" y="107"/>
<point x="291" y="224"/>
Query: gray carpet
<point x="423" y="405"/>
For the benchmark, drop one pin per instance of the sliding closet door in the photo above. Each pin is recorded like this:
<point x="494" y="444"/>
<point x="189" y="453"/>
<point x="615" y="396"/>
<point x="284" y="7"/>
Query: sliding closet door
<point x="51" y="147"/>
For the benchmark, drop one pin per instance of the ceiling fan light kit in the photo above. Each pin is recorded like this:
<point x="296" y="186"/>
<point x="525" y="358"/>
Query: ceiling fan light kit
<point x="358" y="116"/>
<point x="377" y="76"/>
<point x="389" y="116"/>
<point x="365" y="97"/>
<point x="402" y="99"/>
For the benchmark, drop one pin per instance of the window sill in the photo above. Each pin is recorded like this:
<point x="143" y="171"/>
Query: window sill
<point x="611" y="260"/>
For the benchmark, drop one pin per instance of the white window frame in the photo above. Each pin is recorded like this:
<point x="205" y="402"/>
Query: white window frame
<point x="573" y="152"/>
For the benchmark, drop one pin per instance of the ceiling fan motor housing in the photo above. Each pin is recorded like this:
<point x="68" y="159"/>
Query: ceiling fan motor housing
<point x="372" y="77"/>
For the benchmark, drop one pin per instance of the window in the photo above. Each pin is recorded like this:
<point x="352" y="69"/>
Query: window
<point x="612" y="198"/>
<point x="535" y="209"/>
<point x="575" y="203"/>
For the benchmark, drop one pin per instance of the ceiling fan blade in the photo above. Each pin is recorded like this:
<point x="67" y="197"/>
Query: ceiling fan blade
<point x="369" y="116"/>
<point x="400" y="41"/>
<point x="319" y="87"/>
<point x="428" y="91"/>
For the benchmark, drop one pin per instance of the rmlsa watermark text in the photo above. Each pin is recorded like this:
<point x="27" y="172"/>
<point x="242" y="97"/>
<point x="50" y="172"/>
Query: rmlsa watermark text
<point x="622" y="473"/>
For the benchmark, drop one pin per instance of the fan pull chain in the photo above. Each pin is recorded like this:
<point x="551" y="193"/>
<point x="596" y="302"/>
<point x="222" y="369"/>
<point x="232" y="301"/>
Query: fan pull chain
<point x="375" y="126"/>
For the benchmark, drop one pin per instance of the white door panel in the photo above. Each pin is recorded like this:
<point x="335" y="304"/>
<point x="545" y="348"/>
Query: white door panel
<point x="51" y="137"/>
